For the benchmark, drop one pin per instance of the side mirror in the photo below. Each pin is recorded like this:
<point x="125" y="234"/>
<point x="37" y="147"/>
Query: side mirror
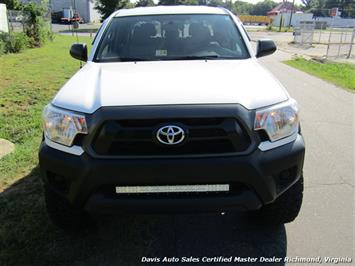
<point x="79" y="51"/>
<point x="265" y="47"/>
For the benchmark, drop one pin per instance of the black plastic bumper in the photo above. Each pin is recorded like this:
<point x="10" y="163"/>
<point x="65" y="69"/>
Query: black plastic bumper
<point x="256" y="179"/>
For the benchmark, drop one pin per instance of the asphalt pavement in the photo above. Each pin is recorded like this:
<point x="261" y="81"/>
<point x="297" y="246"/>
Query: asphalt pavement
<point x="57" y="27"/>
<point x="325" y="226"/>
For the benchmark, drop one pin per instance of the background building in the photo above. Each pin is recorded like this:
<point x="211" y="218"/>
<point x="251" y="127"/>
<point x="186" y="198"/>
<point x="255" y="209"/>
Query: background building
<point x="84" y="7"/>
<point x="284" y="7"/>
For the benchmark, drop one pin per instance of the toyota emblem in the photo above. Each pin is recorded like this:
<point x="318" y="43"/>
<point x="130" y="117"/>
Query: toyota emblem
<point x="170" y="135"/>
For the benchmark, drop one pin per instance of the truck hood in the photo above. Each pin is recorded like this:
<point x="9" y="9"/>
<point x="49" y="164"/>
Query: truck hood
<point x="242" y="82"/>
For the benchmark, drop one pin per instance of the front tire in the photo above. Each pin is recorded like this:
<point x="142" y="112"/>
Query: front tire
<point x="285" y="208"/>
<point x="63" y="214"/>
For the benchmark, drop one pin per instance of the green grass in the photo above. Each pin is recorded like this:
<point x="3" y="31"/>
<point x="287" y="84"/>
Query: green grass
<point x="277" y="29"/>
<point x="340" y="74"/>
<point x="27" y="82"/>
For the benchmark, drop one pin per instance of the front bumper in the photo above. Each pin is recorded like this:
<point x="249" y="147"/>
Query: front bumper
<point x="256" y="179"/>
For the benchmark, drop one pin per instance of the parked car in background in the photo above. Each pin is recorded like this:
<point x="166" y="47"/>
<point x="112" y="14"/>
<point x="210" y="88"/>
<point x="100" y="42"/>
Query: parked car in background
<point x="70" y="16"/>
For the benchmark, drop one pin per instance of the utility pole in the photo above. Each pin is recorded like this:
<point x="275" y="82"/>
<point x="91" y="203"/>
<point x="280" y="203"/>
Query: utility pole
<point x="351" y="43"/>
<point x="292" y="10"/>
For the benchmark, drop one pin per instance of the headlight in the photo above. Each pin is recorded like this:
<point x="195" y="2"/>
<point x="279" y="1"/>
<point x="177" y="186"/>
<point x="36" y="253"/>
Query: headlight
<point x="278" y="121"/>
<point x="62" y="126"/>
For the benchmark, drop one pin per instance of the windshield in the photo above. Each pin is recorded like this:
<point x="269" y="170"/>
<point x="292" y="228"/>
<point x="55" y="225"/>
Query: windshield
<point x="171" y="37"/>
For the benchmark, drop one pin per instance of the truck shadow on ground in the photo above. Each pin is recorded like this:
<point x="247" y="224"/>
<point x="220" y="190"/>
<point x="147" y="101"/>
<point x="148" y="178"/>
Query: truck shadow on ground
<point x="198" y="236"/>
<point x="27" y="237"/>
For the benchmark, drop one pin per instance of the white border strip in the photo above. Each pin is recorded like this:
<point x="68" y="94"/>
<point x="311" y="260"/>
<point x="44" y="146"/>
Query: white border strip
<point x="75" y="150"/>
<point x="268" y="145"/>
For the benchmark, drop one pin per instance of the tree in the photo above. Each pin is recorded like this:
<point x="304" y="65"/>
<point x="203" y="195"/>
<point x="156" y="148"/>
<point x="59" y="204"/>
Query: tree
<point x="168" y="2"/>
<point x="218" y="3"/>
<point x="178" y="2"/>
<point x="321" y="8"/>
<point x="11" y="4"/>
<point x="316" y="7"/>
<point x="189" y="2"/>
<point x="242" y="8"/>
<point x="347" y="7"/>
<point x="107" y="7"/>
<point x="306" y="3"/>
<point x="145" y="3"/>
<point x="261" y="8"/>
<point x="34" y="24"/>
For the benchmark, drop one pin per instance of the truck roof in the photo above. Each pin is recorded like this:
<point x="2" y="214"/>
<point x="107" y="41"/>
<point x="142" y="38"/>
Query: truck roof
<point x="166" y="10"/>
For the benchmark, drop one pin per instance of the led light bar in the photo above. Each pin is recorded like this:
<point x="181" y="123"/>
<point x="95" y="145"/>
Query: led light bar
<point x="173" y="189"/>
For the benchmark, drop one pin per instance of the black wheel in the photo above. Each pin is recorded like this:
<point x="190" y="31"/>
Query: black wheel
<point x="284" y="209"/>
<point x="64" y="215"/>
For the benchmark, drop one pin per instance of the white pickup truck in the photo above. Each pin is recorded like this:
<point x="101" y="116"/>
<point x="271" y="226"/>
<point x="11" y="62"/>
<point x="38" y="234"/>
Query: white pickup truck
<point x="172" y="112"/>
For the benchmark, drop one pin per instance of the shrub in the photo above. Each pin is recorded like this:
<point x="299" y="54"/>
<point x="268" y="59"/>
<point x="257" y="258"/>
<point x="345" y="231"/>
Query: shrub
<point x="12" y="4"/>
<point x="2" y="47"/>
<point x="35" y="27"/>
<point x="3" y="40"/>
<point x="13" y="42"/>
<point x="36" y="30"/>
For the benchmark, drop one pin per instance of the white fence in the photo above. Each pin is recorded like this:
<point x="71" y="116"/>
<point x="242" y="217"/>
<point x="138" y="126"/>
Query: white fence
<point x="284" y="19"/>
<point x="337" y="22"/>
<point x="303" y="35"/>
<point x="16" y="20"/>
<point x="340" y="44"/>
<point x="297" y="18"/>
